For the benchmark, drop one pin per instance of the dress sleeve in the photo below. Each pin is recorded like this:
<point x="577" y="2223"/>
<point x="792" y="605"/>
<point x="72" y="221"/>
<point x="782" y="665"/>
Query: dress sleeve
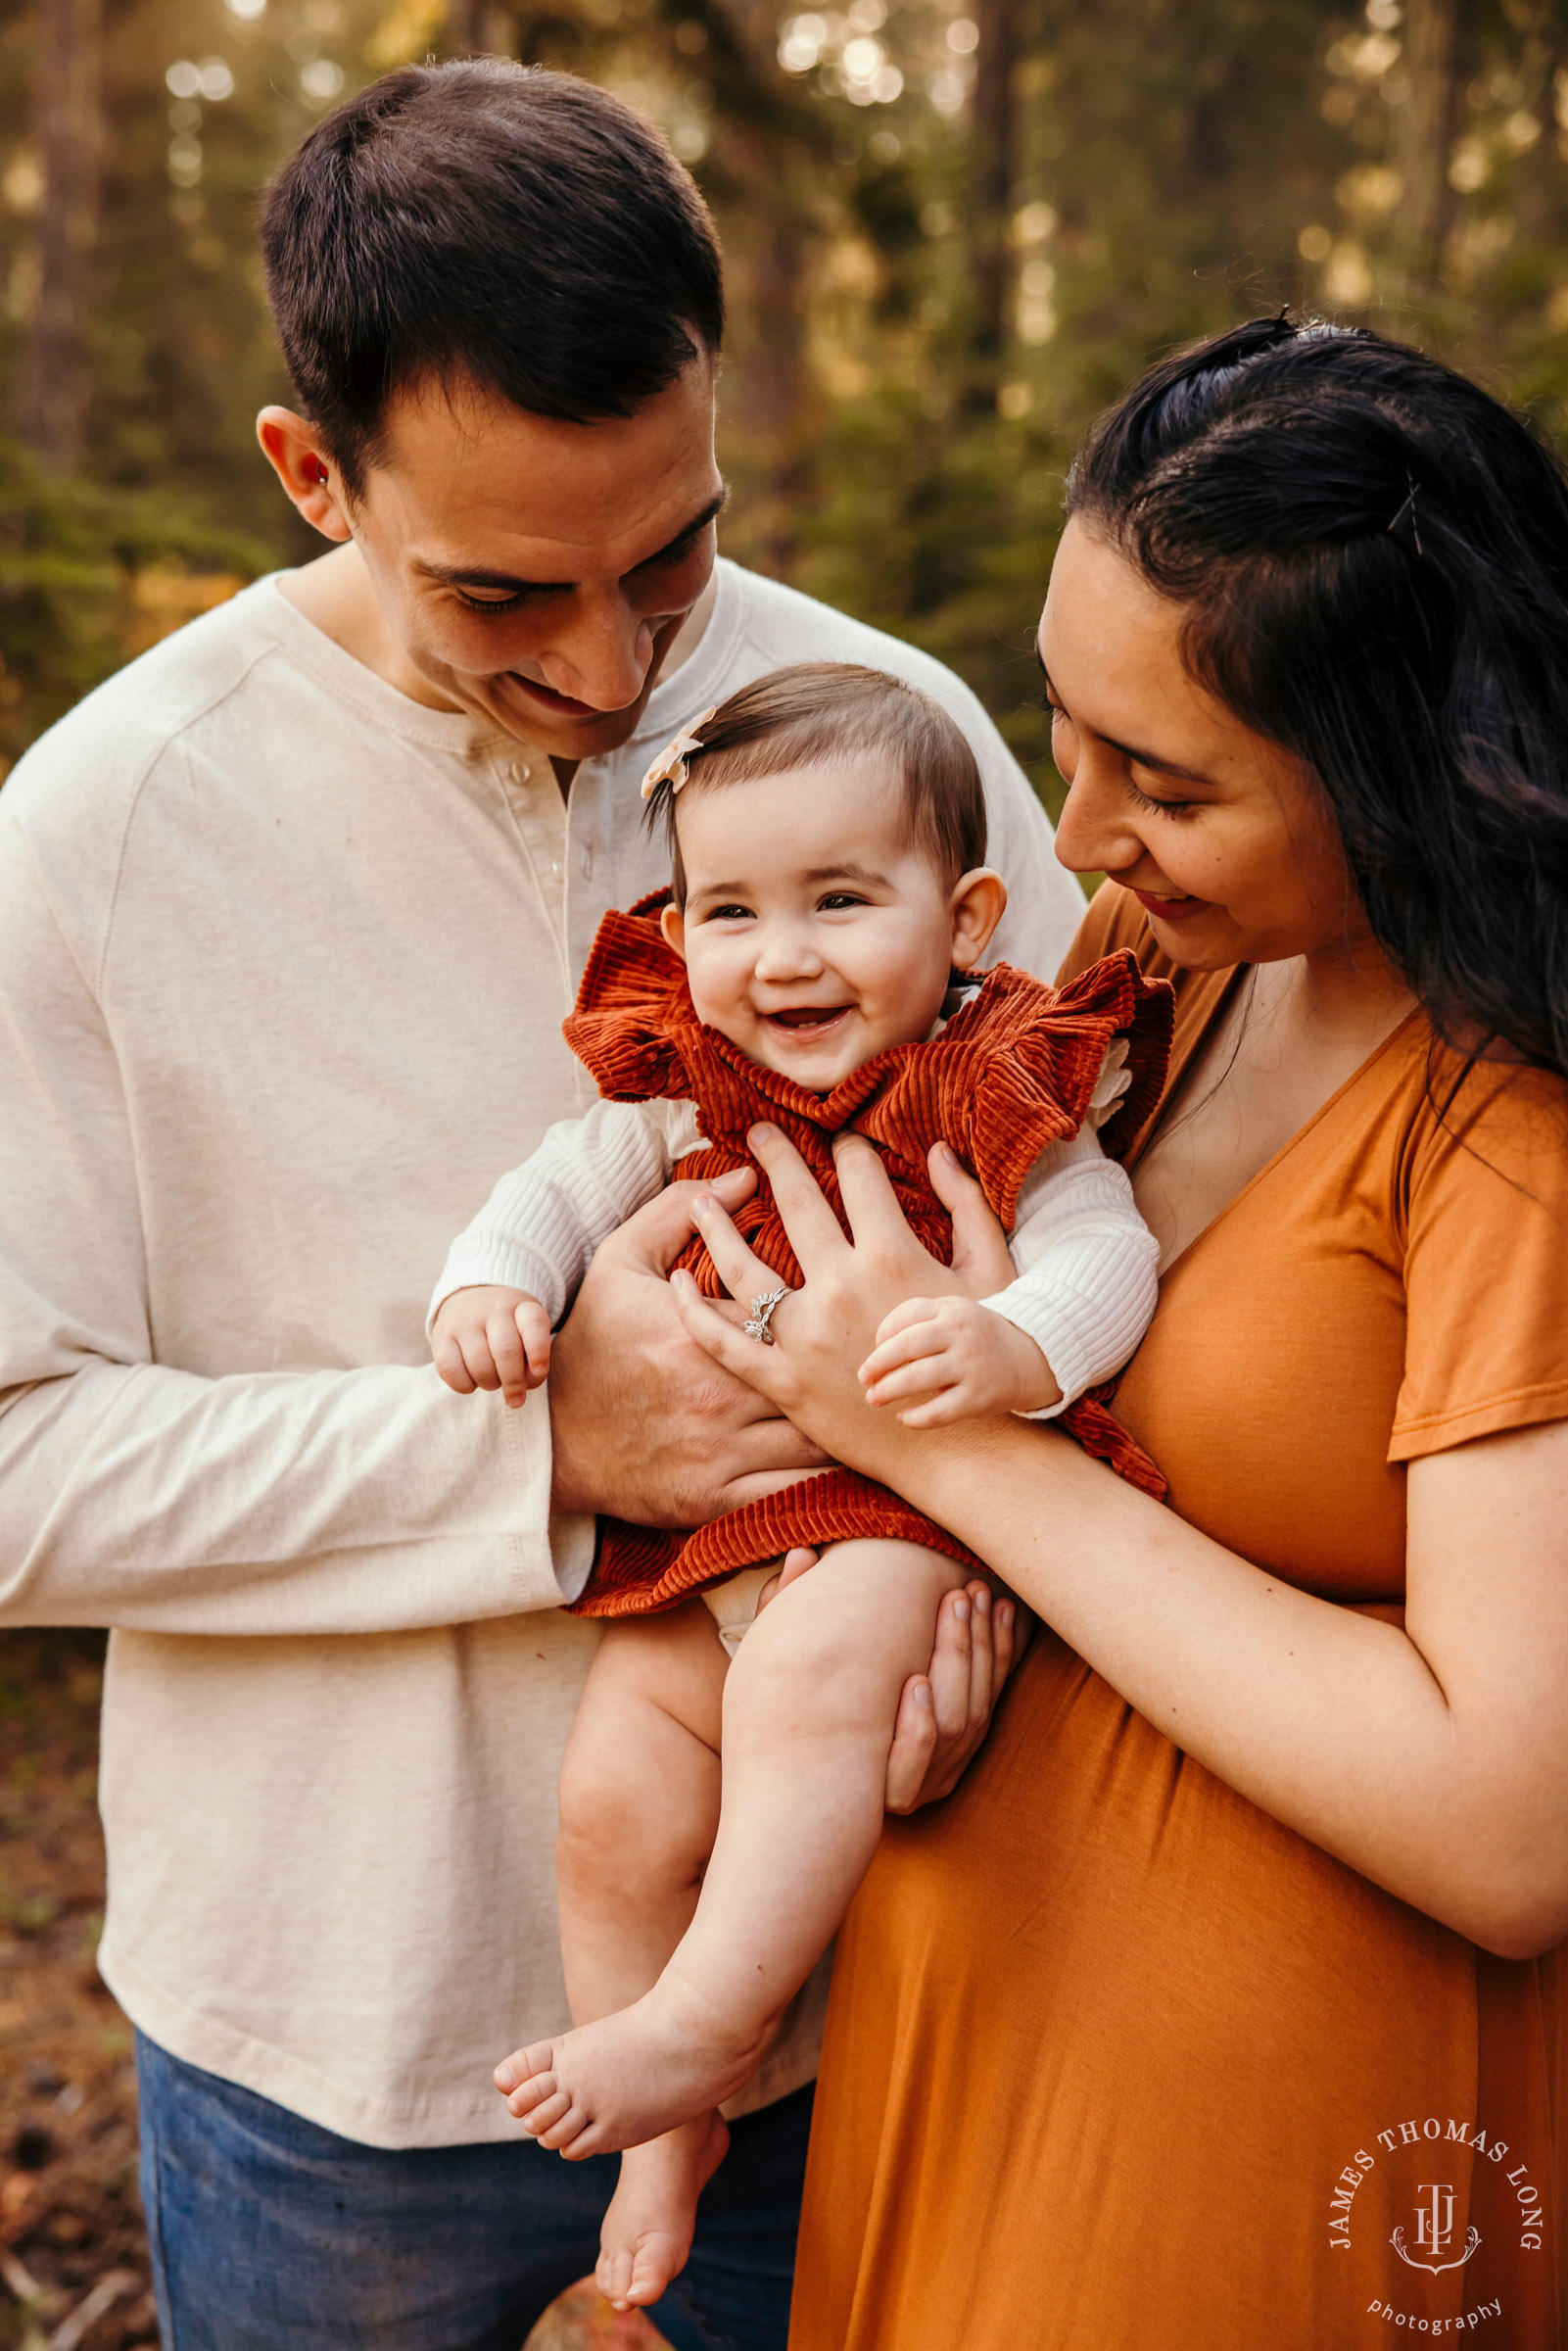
<point x="1486" y="1266"/>
<point x="1088" y="1279"/>
<point x="544" y="1221"/>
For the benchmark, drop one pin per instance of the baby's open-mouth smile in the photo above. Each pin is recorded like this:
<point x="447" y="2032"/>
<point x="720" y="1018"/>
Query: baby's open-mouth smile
<point x="809" y="1021"/>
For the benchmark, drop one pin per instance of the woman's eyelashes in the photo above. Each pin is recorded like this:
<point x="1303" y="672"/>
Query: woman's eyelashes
<point x="1146" y="799"/>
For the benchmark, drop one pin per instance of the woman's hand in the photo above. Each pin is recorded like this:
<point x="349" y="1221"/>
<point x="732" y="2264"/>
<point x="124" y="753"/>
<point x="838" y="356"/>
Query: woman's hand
<point x="824" y="1333"/>
<point x="944" y="1713"/>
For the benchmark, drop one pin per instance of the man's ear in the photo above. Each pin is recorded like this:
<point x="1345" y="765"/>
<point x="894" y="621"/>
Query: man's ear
<point x="976" y="905"/>
<point x="293" y="449"/>
<point x="672" y="922"/>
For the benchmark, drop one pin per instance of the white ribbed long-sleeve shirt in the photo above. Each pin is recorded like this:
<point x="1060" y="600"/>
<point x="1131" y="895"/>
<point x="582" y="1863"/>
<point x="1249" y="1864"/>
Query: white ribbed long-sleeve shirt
<point x="1087" y="1264"/>
<point x="284" y="958"/>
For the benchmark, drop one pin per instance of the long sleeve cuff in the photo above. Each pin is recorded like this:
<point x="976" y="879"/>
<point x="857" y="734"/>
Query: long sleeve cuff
<point x="573" y="1540"/>
<point x="1087" y="1310"/>
<point x="481" y="1259"/>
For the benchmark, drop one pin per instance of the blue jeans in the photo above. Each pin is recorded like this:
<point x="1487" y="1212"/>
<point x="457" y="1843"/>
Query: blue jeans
<point x="269" y="2233"/>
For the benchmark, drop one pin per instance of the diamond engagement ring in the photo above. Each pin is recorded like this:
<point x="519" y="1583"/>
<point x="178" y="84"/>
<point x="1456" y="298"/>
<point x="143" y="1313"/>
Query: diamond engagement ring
<point x="762" y="1313"/>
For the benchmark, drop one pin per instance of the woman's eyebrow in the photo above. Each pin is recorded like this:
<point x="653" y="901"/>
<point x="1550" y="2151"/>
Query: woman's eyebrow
<point x="1164" y="767"/>
<point x="1150" y="759"/>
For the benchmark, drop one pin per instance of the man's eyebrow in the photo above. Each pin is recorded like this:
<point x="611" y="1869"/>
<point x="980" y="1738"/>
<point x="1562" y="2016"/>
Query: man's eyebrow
<point x="1149" y="759"/>
<point x="699" y="523"/>
<point x="506" y="583"/>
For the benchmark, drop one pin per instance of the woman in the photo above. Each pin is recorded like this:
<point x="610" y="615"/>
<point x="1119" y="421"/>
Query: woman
<point x="1221" y="2006"/>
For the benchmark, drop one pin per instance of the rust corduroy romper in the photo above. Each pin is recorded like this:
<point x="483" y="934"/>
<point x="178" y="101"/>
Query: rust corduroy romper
<point x="1009" y="1074"/>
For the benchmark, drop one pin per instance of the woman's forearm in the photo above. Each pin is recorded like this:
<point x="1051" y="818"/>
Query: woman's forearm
<point x="1331" y="1721"/>
<point x="1434" y="1759"/>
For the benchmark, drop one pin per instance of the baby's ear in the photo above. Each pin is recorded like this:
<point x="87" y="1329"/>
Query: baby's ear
<point x="672" y="922"/>
<point x="976" y="905"/>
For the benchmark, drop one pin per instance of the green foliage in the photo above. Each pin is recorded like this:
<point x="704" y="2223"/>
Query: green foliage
<point x="88" y="575"/>
<point x="1174" y="165"/>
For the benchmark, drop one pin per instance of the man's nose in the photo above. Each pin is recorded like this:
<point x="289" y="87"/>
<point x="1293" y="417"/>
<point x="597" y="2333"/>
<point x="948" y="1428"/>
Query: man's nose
<point x="601" y="657"/>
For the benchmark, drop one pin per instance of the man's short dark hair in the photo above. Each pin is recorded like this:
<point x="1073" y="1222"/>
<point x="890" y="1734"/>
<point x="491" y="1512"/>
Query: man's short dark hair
<point x="491" y="221"/>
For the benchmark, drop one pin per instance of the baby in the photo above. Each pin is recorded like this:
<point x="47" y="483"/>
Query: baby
<point x="813" y="964"/>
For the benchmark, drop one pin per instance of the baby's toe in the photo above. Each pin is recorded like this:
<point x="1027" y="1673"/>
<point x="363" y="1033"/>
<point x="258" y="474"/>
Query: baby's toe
<point x="562" y="2135"/>
<point x="653" y="2266"/>
<point x="539" y="2104"/>
<point x="517" y="2071"/>
<point x="613" y="2273"/>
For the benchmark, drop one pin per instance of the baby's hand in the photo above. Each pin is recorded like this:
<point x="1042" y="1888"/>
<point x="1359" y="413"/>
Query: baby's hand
<point x="961" y="1360"/>
<point x="488" y="1338"/>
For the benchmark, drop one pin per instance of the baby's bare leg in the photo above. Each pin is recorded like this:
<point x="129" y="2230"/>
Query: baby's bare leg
<point x="808" y="1716"/>
<point x="639" y="1808"/>
<point x="639" y="1803"/>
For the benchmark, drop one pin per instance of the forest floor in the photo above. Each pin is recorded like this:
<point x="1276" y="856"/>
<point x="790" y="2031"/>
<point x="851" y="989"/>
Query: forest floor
<point x="74" y="2268"/>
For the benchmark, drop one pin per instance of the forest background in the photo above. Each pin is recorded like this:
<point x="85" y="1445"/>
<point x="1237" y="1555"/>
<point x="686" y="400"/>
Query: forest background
<point x="954" y="229"/>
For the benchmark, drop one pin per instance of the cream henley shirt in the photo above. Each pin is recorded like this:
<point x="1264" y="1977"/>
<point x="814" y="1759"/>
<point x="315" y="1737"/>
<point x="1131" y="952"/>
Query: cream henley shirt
<point x="284" y="961"/>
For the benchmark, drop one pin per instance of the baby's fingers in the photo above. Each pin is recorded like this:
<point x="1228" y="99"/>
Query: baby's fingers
<point x="913" y="1385"/>
<point x="506" y="1344"/>
<point x="903" y="1317"/>
<point x="938" y="1412"/>
<point x="533" y="1328"/>
<point x="920" y="1343"/>
<point x="447" y="1358"/>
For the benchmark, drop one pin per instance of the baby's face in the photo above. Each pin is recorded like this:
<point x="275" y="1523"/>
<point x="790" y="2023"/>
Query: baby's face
<point x="814" y="934"/>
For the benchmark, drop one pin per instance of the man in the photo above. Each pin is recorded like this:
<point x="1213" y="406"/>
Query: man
<point x="290" y="914"/>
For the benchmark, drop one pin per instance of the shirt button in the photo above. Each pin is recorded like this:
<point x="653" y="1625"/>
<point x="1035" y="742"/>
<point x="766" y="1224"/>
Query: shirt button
<point x="520" y="772"/>
<point x="555" y="865"/>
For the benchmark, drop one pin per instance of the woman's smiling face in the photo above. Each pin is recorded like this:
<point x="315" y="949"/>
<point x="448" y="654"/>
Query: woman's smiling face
<point x="1222" y="836"/>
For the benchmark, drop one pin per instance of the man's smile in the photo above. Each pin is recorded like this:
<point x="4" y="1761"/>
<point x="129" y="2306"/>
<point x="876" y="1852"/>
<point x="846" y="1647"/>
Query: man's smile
<point x="562" y="704"/>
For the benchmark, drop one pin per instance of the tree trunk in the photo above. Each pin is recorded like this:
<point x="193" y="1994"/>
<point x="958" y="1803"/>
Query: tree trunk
<point x="71" y="140"/>
<point x="1423" y="131"/>
<point x="991" y="175"/>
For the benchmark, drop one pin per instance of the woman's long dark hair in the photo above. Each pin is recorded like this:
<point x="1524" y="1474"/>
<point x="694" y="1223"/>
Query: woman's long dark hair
<point x="1374" y="557"/>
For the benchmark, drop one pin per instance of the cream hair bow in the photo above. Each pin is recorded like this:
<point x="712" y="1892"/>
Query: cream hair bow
<point x="670" y="766"/>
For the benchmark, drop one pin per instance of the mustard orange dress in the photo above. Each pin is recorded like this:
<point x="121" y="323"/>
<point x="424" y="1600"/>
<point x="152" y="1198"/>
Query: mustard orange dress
<point x="1114" y="2061"/>
<point x="1010" y="1073"/>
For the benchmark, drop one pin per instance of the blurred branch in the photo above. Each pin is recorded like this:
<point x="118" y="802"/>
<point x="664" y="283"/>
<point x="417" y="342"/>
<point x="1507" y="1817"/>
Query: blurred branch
<point x="995" y="143"/>
<point x="70" y="110"/>
<point x="1424" y="129"/>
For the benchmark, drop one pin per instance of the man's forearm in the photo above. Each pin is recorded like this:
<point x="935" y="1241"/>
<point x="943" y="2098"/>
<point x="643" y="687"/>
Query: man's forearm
<point x="282" y="1503"/>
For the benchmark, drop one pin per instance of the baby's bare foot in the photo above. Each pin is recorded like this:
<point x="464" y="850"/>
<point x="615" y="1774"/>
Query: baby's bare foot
<point x="647" y="2230"/>
<point x="629" y="2076"/>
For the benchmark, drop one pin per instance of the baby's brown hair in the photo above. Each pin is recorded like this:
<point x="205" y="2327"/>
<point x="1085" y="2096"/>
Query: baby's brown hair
<point x="837" y="710"/>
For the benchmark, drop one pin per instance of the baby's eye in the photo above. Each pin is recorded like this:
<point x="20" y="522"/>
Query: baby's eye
<point x="728" y="914"/>
<point x="836" y="900"/>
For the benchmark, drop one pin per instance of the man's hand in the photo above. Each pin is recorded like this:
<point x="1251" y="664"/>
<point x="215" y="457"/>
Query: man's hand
<point x="952" y="1359"/>
<point x="645" y="1425"/>
<point x="491" y="1337"/>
